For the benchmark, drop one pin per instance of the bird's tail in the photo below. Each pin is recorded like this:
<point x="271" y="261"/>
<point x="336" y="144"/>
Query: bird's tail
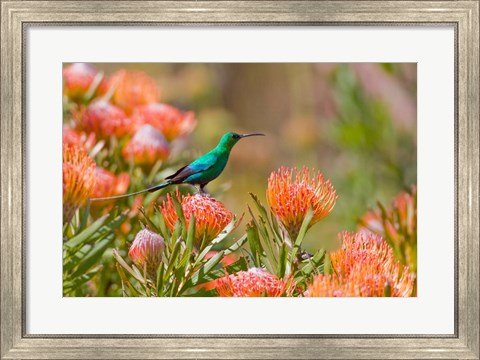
<point x="152" y="189"/>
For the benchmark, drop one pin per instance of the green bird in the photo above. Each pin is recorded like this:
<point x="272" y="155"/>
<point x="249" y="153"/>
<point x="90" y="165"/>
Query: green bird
<point x="200" y="171"/>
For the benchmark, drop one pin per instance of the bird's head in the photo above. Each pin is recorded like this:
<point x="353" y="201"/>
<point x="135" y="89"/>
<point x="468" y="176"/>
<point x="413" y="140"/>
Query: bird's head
<point x="229" y="139"/>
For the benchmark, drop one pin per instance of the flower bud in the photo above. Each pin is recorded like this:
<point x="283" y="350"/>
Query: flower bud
<point x="132" y="89"/>
<point x="80" y="78"/>
<point x="146" y="147"/>
<point x="146" y="251"/>
<point x="170" y="121"/>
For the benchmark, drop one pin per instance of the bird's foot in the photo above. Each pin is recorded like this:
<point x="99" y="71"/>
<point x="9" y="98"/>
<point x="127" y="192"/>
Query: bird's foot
<point x="202" y="192"/>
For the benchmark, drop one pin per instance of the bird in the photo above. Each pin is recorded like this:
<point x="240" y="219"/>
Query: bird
<point x="200" y="171"/>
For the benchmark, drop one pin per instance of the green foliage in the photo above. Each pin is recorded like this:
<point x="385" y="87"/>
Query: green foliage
<point x="271" y="247"/>
<point x="183" y="268"/>
<point x="83" y="251"/>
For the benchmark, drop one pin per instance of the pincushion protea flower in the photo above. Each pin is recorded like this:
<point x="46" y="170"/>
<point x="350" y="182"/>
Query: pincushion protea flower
<point x="291" y="193"/>
<point x="77" y="138"/>
<point x="170" y="121"/>
<point x="104" y="119"/>
<point x="132" y="89"/>
<point x="252" y="283"/>
<point x="363" y="266"/>
<point x="78" y="179"/>
<point x="146" y="147"/>
<point x="211" y="216"/>
<point x="146" y="251"/>
<point x="80" y="78"/>
<point x="398" y="226"/>
<point x="108" y="184"/>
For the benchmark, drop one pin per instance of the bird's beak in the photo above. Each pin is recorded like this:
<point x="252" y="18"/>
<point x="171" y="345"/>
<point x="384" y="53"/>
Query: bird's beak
<point x="251" y="134"/>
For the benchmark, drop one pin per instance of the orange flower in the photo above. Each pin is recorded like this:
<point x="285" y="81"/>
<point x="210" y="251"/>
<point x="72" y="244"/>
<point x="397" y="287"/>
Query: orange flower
<point x="79" y="77"/>
<point x="77" y="138"/>
<point x="78" y="179"/>
<point x="291" y="193"/>
<point x="104" y="119"/>
<point x="146" y="251"/>
<point x="108" y="184"/>
<point x="170" y="121"/>
<point x="211" y="216"/>
<point x="132" y="89"/>
<point x="398" y="225"/>
<point x="252" y="283"/>
<point x="146" y="147"/>
<point x="363" y="266"/>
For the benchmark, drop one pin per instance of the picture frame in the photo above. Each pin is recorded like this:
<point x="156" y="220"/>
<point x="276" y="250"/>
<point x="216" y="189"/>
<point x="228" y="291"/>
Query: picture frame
<point x="16" y="17"/>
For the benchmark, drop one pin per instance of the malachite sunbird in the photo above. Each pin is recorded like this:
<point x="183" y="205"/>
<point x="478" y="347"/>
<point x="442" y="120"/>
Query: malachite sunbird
<point x="200" y="171"/>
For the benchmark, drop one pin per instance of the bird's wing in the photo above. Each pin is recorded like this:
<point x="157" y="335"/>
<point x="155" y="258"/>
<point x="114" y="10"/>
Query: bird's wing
<point x="201" y="164"/>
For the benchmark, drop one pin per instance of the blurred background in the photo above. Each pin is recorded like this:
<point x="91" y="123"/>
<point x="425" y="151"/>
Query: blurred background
<point x="356" y="123"/>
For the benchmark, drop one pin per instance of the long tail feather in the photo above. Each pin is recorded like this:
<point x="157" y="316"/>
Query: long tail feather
<point x="152" y="189"/>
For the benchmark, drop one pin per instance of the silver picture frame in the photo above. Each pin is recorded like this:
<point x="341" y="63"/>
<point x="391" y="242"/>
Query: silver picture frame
<point x="16" y="16"/>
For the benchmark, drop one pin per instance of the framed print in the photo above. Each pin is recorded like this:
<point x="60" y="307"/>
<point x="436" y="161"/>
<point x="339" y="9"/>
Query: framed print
<point x="210" y="154"/>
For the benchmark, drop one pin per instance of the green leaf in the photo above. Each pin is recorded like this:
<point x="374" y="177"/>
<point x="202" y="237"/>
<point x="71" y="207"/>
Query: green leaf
<point x="315" y="264"/>
<point x="126" y="281"/>
<point x="123" y="264"/>
<point x="282" y="262"/>
<point x="68" y="286"/>
<point x="181" y="216"/>
<point x="264" y="215"/>
<point x="173" y="257"/>
<point x="99" y="230"/>
<point x="301" y="234"/>
<point x="151" y="224"/>
<point x="254" y="243"/>
<point x="202" y="292"/>
<point x="160" y="273"/>
<point x="236" y="245"/>
<point x="84" y="217"/>
<point x="191" y="233"/>
<point x="84" y="236"/>
<point x="160" y="222"/>
<point x="74" y="259"/>
<point x="92" y="257"/>
<point x="200" y="274"/>
<point x="387" y="290"/>
<point x="270" y="259"/>
<point x="327" y="265"/>
<point x="239" y="265"/>
<point x="220" y="237"/>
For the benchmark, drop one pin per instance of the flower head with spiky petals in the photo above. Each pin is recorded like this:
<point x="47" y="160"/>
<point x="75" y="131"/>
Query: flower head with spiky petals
<point x="104" y="119"/>
<point x="78" y="179"/>
<point x="146" y="147"/>
<point x="397" y="224"/>
<point x="80" y="78"/>
<point x="291" y="193"/>
<point x="78" y="138"/>
<point x="132" y="89"/>
<point x="108" y="184"/>
<point x="146" y="251"/>
<point x="252" y="283"/>
<point x="211" y="216"/>
<point x="363" y="266"/>
<point x="170" y="121"/>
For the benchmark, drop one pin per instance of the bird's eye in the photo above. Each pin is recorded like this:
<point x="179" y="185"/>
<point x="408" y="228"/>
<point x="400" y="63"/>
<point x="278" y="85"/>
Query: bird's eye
<point x="235" y="136"/>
